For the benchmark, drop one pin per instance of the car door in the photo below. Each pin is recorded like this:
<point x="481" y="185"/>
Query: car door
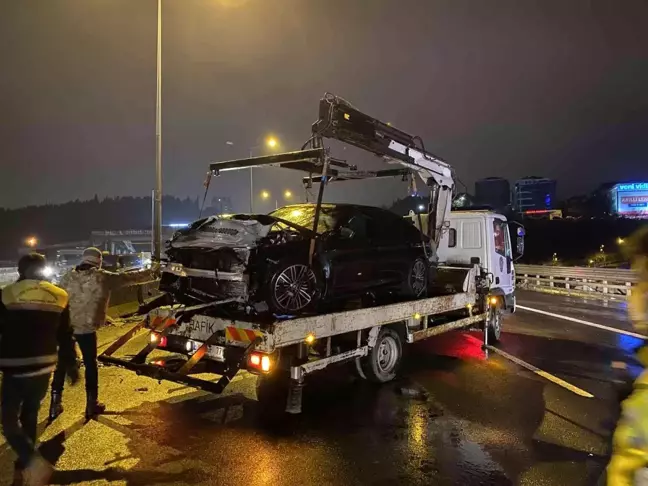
<point x="392" y="247"/>
<point x="348" y="250"/>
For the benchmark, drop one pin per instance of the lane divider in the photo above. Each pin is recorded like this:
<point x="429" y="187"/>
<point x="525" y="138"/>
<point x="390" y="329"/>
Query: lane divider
<point x="547" y="376"/>
<point x="581" y="321"/>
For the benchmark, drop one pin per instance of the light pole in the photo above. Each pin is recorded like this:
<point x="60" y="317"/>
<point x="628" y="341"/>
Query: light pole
<point x="157" y="204"/>
<point x="270" y="142"/>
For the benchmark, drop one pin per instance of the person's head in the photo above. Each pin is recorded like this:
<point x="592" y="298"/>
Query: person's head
<point x="32" y="267"/>
<point x="92" y="258"/>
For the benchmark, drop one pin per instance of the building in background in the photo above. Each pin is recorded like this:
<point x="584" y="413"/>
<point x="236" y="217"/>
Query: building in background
<point x="534" y="194"/>
<point x="629" y="199"/>
<point x="494" y="192"/>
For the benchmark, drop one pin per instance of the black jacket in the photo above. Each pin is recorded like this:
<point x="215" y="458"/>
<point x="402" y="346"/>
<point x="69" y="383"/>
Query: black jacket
<point x="35" y="329"/>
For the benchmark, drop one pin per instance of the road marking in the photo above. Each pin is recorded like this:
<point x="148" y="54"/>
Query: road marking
<point x="544" y="374"/>
<point x="580" y="321"/>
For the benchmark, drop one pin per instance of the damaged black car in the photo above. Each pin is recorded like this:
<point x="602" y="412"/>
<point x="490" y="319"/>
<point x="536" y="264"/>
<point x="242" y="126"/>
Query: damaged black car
<point x="281" y="261"/>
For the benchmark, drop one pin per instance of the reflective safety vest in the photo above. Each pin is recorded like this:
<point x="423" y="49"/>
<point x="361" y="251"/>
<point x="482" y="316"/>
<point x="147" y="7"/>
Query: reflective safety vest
<point x="629" y="462"/>
<point x="34" y="320"/>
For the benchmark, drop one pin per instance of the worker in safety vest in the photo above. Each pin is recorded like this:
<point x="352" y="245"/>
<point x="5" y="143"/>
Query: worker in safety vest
<point x="89" y="287"/>
<point x="629" y="462"/>
<point x="35" y="333"/>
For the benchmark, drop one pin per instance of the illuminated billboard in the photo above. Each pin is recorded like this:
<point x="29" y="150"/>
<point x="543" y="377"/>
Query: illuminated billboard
<point x="631" y="199"/>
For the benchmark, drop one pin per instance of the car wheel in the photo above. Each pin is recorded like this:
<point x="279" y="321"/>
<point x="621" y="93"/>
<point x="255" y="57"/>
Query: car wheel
<point x="383" y="360"/>
<point x="416" y="283"/>
<point x="293" y="288"/>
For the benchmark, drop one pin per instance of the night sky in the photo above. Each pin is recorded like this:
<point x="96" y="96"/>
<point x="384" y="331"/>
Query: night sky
<point x="497" y="88"/>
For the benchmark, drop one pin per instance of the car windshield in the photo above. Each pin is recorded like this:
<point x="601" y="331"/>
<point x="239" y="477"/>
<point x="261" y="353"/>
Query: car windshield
<point x="304" y="216"/>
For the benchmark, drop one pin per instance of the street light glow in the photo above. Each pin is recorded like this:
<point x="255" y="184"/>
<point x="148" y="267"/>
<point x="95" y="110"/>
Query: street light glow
<point x="265" y="194"/>
<point x="620" y="241"/>
<point x="272" y="142"/>
<point x="288" y="194"/>
<point x="32" y="241"/>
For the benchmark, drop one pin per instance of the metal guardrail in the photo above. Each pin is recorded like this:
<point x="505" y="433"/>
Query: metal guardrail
<point x="8" y="275"/>
<point x="597" y="282"/>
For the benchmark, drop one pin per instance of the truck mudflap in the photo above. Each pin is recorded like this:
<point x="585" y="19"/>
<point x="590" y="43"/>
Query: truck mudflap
<point x="178" y="375"/>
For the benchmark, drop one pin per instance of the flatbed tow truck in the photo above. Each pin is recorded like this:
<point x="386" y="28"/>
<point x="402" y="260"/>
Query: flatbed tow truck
<point x="284" y="350"/>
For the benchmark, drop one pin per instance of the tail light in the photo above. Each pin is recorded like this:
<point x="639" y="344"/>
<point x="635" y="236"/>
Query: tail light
<point x="259" y="362"/>
<point x="158" y="339"/>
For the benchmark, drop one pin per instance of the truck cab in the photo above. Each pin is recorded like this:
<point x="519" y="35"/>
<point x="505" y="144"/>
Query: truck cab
<point x="487" y="238"/>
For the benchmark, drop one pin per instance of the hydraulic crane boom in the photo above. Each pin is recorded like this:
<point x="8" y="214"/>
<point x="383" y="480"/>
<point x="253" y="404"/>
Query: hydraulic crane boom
<point x="339" y="120"/>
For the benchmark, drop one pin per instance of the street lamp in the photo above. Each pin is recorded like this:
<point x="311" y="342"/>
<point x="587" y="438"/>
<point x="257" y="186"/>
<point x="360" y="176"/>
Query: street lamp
<point x="157" y="193"/>
<point x="288" y="194"/>
<point x="620" y="241"/>
<point x="265" y="195"/>
<point x="31" y="242"/>
<point x="270" y="142"/>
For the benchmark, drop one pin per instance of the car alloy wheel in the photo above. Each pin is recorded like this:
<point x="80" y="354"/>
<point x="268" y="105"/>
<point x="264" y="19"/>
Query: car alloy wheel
<point x="295" y="287"/>
<point x="418" y="278"/>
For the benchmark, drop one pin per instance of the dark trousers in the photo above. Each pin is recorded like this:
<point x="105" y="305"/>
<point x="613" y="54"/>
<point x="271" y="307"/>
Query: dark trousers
<point x="88" y="346"/>
<point x="20" y="401"/>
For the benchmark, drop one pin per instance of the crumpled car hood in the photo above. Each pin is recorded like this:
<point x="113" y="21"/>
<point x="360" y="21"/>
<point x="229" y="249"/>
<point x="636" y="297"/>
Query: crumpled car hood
<point x="218" y="232"/>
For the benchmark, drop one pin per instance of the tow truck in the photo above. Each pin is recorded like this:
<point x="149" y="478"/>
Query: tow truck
<point x="473" y="284"/>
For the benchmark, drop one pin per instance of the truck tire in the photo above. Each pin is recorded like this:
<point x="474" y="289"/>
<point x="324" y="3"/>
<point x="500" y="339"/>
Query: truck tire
<point x="272" y="392"/>
<point x="494" y="324"/>
<point x="383" y="360"/>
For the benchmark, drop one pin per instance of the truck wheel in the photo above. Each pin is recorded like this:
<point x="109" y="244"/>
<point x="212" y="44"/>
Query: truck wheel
<point x="272" y="392"/>
<point x="494" y="324"/>
<point x="381" y="365"/>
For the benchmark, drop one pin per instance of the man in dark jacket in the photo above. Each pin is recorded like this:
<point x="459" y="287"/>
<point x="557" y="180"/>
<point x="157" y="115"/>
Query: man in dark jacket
<point x="35" y="333"/>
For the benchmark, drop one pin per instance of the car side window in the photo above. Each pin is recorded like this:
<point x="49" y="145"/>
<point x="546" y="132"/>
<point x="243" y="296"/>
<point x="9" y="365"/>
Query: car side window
<point x="357" y="224"/>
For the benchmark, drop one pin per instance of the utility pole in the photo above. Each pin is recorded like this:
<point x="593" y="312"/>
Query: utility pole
<point x="157" y="204"/>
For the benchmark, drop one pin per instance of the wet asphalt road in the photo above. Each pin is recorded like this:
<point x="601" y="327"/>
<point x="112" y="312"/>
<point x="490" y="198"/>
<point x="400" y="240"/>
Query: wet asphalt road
<point x="484" y="421"/>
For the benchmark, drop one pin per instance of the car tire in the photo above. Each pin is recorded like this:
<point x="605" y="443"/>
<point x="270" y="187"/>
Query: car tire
<point x="415" y="285"/>
<point x="292" y="288"/>
<point x="382" y="363"/>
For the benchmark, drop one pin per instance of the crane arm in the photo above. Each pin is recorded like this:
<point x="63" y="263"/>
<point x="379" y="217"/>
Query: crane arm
<point x="340" y="120"/>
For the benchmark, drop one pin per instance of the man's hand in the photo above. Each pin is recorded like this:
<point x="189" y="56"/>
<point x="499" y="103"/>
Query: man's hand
<point x="73" y="374"/>
<point x="156" y="269"/>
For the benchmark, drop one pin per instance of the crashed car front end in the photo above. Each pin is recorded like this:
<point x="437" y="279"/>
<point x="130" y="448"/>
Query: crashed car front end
<point x="217" y="258"/>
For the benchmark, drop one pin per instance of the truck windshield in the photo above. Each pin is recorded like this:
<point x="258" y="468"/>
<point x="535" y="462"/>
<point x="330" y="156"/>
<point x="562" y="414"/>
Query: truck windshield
<point x="304" y="216"/>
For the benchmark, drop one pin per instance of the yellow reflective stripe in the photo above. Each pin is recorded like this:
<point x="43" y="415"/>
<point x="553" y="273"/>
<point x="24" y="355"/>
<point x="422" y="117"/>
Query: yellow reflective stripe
<point x="34" y="360"/>
<point x="34" y="292"/>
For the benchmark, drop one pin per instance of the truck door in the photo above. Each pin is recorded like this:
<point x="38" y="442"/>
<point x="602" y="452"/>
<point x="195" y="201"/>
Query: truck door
<point x="502" y="257"/>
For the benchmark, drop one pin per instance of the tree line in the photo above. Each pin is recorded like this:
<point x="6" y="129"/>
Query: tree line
<point x="75" y="220"/>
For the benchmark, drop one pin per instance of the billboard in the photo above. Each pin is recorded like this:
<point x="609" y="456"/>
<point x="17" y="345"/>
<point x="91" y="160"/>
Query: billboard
<point x="631" y="199"/>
